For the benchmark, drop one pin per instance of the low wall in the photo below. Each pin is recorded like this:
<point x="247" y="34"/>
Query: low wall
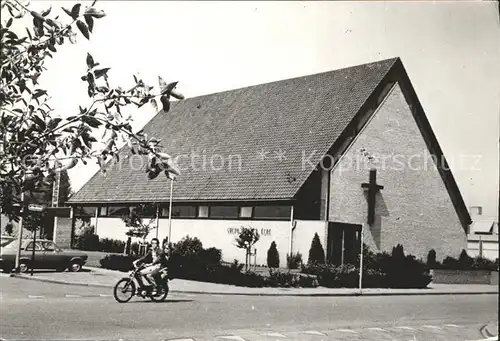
<point x="445" y="276"/>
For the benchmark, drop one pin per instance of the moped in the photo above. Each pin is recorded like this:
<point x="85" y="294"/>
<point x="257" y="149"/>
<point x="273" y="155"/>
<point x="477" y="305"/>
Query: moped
<point x="136" y="284"/>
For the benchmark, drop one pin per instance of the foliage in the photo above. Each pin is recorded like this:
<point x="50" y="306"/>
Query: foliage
<point x="381" y="270"/>
<point x="246" y="239"/>
<point x="288" y="279"/>
<point x="111" y="245"/>
<point x="118" y="262"/>
<point x="316" y="252"/>
<point x="137" y="227"/>
<point x="294" y="261"/>
<point x="35" y="142"/>
<point x="9" y="228"/>
<point x="87" y="240"/>
<point x="188" y="259"/>
<point x="431" y="258"/>
<point x="465" y="262"/>
<point x="273" y="257"/>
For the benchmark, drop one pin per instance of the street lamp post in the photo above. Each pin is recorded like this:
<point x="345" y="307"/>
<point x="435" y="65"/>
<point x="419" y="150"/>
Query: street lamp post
<point x="170" y="211"/>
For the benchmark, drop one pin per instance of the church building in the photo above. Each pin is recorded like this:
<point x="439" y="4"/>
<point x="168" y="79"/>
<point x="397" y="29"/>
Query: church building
<point x="340" y="153"/>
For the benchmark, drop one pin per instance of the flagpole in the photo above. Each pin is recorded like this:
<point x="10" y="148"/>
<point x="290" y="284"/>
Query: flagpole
<point x="170" y="211"/>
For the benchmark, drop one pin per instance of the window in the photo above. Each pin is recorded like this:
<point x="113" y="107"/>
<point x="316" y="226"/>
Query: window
<point x="49" y="246"/>
<point x="272" y="212"/>
<point x="246" y="212"/>
<point x="181" y="211"/>
<point x="203" y="212"/>
<point x="224" y="212"/>
<point x="29" y="247"/>
<point x="85" y="211"/>
<point x="103" y="211"/>
<point x="146" y="210"/>
<point x="118" y="211"/>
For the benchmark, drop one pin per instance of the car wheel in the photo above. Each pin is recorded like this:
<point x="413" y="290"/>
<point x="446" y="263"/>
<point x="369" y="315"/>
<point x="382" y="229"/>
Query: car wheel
<point x="75" y="266"/>
<point x="23" y="266"/>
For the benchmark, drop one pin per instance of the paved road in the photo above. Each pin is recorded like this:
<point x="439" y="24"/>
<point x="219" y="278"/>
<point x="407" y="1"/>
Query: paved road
<point x="36" y="310"/>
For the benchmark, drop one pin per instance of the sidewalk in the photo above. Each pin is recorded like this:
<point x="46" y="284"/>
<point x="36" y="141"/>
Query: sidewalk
<point x="97" y="277"/>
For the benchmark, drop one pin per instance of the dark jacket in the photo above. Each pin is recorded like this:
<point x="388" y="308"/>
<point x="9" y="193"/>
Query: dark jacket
<point x="148" y="258"/>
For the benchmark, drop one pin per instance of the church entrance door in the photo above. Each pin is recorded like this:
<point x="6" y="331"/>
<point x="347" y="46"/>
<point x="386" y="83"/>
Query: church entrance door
<point x="343" y="243"/>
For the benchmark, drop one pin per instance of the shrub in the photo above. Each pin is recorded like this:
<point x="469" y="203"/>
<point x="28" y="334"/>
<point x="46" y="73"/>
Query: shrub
<point x="111" y="245"/>
<point x="294" y="261"/>
<point x="87" y="240"/>
<point x="288" y="279"/>
<point x="273" y="257"/>
<point x="211" y="256"/>
<point x="431" y="258"/>
<point x="393" y="270"/>
<point x="188" y="259"/>
<point x="481" y="263"/>
<point x="316" y="252"/>
<point x="465" y="262"/>
<point x="118" y="262"/>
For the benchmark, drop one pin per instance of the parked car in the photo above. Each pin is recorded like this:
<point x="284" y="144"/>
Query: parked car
<point x="47" y="256"/>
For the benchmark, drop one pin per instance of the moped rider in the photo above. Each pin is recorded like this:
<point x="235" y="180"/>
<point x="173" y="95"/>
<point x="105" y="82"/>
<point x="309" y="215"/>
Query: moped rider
<point x="155" y="260"/>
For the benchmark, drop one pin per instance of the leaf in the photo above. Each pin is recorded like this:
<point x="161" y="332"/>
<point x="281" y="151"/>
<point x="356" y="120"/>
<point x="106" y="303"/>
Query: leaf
<point x="39" y="93"/>
<point x="38" y="23"/>
<point x="101" y="72"/>
<point x="72" y="38"/>
<point x="51" y="47"/>
<point x="75" y="11"/>
<point x="95" y="13"/>
<point x="39" y="122"/>
<point x="175" y="94"/>
<point x="165" y="102"/>
<point x="37" y="16"/>
<point x="169" y="88"/>
<point x="83" y="28"/>
<point x="47" y="11"/>
<point x="68" y="12"/>
<point x="89" y="21"/>
<point x="29" y="34"/>
<point x="93" y="3"/>
<point x="9" y="22"/>
<point x="91" y="121"/>
<point x="162" y="83"/>
<point x="53" y="123"/>
<point x="155" y="105"/>
<point x="90" y="61"/>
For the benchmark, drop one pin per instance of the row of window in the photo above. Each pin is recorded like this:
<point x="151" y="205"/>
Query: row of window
<point x="278" y="212"/>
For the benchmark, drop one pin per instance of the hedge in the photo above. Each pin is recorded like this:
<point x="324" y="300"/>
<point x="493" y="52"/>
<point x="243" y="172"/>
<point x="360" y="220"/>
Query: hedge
<point x="463" y="262"/>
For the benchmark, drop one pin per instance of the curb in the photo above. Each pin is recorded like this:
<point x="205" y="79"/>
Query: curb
<point x="347" y="294"/>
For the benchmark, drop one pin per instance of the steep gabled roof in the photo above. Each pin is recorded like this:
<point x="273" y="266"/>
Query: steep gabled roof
<point x="301" y="117"/>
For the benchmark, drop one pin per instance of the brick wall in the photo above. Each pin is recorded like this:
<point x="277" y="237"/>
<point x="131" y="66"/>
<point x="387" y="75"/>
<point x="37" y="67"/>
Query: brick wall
<point x="62" y="232"/>
<point x="464" y="276"/>
<point x="414" y="208"/>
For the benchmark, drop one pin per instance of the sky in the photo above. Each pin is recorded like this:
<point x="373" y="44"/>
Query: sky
<point x="451" y="51"/>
